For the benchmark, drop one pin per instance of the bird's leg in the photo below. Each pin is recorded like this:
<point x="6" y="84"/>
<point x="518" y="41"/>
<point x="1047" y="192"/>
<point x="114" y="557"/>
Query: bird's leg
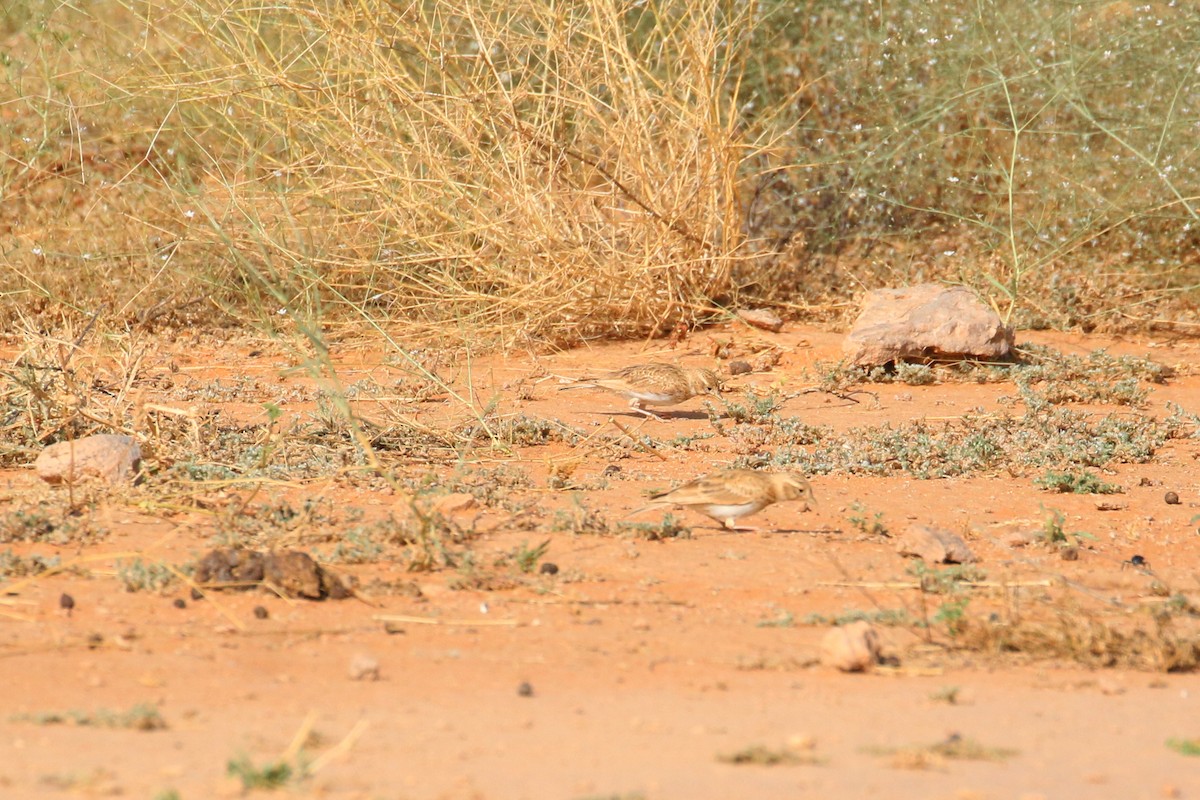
<point x="636" y="405"/>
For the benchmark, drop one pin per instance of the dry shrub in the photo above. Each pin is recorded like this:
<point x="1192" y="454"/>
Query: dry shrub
<point x="1088" y="640"/>
<point x="515" y="170"/>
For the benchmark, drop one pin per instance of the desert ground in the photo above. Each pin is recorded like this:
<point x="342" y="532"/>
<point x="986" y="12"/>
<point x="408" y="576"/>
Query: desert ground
<point x="675" y="660"/>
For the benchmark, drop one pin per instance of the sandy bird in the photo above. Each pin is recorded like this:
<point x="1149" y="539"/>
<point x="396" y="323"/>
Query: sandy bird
<point x="726" y="496"/>
<point x="655" y="385"/>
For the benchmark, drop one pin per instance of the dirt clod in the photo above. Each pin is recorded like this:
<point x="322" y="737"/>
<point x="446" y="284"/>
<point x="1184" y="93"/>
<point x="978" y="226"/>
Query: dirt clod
<point x="364" y="668"/>
<point x="525" y="689"/>
<point x="180" y="603"/>
<point x="548" y="568"/>
<point x="290" y="571"/>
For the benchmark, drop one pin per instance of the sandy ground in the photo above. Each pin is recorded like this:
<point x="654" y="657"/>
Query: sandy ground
<point x="642" y="662"/>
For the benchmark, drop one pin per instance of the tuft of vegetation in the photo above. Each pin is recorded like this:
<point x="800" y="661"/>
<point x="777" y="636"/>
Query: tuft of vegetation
<point x="1041" y="373"/>
<point x="1185" y="747"/>
<point x="271" y="775"/>
<point x="669" y="527"/>
<point x="145" y="576"/>
<point x="888" y="617"/>
<point x="141" y="717"/>
<point x="1081" y="482"/>
<point x="871" y="526"/>
<point x="15" y="566"/>
<point x="953" y="748"/>
<point x="1043" y="437"/>
<point x="760" y="755"/>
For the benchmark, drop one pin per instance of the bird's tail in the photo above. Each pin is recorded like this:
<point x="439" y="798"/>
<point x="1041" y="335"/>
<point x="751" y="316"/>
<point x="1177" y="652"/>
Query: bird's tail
<point x="647" y="507"/>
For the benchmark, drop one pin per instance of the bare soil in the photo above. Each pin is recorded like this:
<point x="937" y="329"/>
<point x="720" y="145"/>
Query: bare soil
<point x="641" y="666"/>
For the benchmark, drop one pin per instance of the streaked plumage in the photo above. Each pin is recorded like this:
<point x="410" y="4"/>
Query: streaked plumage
<point x="655" y="385"/>
<point x="726" y="496"/>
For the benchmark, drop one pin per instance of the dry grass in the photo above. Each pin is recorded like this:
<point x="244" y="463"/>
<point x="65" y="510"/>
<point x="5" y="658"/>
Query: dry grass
<point x="524" y="171"/>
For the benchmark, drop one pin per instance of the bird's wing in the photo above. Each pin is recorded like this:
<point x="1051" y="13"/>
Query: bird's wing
<point x="715" y="489"/>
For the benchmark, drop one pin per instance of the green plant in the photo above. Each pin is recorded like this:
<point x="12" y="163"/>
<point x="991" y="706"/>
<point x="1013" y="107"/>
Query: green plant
<point x="869" y="526"/>
<point x="271" y="775"/>
<point x="141" y="717"/>
<point x="1082" y="482"/>
<point x="948" y="583"/>
<point x="783" y="620"/>
<point x="947" y="695"/>
<point x="1053" y="532"/>
<point x="527" y="557"/>
<point x="767" y="756"/>
<point x="669" y="527"/>
<point x="143" y="576"/>
<point x="1185" y="747"/>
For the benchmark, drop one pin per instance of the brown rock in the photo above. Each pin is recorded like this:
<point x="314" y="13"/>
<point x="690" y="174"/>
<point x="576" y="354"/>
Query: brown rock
<point x="761" y="318"/>
<point x="934" y="545"/>
<point x="924" y="322"/>
<point x="108" y="457"/>
<point x="850" y="648"/>
<point x="290" y="571"/>
<point x="243" y="568"/>
<point x="293" y="572"/>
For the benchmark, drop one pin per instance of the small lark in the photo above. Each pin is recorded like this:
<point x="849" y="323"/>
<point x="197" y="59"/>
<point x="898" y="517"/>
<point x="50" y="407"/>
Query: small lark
<point x="726" y="496"/>
<point x="655" y="384"/>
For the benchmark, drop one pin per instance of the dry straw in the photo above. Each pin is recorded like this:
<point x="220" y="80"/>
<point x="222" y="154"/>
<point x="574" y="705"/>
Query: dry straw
<point x="516" y="170"/>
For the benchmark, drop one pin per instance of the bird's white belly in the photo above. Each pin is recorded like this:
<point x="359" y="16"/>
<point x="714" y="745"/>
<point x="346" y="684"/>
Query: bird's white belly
<point x="727" y="510"/>
<point x="657" y="398"/>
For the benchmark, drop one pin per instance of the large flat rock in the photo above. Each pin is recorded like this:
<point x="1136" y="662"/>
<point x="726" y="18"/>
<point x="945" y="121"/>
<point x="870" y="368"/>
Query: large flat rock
<point x="926" y="322"/>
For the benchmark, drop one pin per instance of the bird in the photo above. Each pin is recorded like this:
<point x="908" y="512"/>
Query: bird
<point x="725" y="496"/>
<point x="655" y="384"/>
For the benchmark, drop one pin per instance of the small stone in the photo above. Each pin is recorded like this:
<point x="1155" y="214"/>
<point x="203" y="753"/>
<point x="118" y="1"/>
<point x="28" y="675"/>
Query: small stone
<point x="739" y="367"/>
<point x="66" y="602"/>
<point x="761" y="318"/>
<point x="851" y="648"/>
<point x="364" y="668"/>
<point x="260" y="612"/>
<point x="525" y="689"/>
<point x="934" y="545"/>
<point x="197" y="594"/>
<point x="1172" y="499"/>
<point x="112" y="458"/>
<point x="1070" y="553"/>
<point x="180" y="603"/>
<point x="548" y="568"/>
<point x="801" y="742"/>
